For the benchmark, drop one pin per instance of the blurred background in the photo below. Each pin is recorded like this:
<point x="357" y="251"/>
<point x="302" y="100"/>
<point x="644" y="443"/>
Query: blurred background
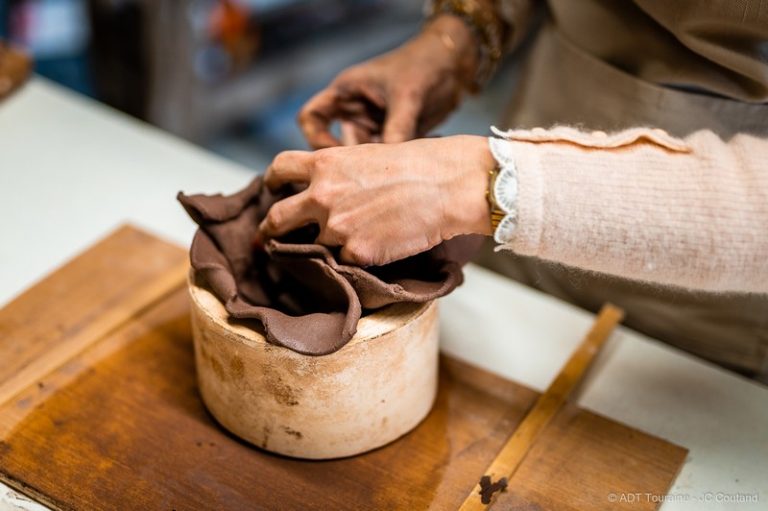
<point x="229" y="75"/>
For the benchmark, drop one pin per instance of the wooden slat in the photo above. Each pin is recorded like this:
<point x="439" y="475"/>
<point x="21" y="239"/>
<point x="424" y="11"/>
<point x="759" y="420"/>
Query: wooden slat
<point x="82" y="301"/>
<point x="547" y="406"/>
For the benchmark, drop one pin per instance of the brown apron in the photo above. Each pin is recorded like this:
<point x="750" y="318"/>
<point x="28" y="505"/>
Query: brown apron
<point x="563" y="84"/>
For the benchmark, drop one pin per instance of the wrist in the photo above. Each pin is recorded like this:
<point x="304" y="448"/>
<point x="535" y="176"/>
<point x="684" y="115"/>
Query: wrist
<point x="482" y="18"/>
<point x="458" y="43"/>
<point x="467" y="210"/>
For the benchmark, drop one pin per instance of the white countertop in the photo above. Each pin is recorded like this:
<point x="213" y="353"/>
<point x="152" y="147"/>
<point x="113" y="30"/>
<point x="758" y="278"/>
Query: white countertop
<point x="71" y="170"/>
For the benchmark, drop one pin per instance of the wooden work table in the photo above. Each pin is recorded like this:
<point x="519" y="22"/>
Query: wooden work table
<point x="71" y="170"/>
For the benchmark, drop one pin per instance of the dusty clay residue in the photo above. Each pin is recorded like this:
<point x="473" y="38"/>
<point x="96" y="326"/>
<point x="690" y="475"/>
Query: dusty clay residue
<point x="293" y="432"/>
<point x="237" y="367"/>
<point x="213" y="362"/>
<point x="487" y="488"/>
<point x="265" y="433"/>
<point x="283" y="393"/>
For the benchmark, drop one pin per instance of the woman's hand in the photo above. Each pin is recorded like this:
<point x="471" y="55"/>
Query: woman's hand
<point x="400" y="95"/>
<point x="384" y="202"/>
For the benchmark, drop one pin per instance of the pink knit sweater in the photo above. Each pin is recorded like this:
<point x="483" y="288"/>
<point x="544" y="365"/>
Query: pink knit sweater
<point x="643" y="205"/>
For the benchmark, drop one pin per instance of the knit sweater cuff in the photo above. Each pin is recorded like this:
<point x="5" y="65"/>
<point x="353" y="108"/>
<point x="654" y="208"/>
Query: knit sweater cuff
<point x="521" y="228"/>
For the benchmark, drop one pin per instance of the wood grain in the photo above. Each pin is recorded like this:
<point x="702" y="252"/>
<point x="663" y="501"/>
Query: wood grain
<point x="86" y="298"/>
<point x="124" y="428"/>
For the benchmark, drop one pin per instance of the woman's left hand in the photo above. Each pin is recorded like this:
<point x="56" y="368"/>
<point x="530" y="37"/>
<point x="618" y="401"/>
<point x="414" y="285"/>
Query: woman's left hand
<point x="384" y="202"/>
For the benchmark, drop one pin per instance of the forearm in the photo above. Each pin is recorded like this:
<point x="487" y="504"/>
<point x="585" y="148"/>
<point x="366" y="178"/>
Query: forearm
<point x="695" y="219"/>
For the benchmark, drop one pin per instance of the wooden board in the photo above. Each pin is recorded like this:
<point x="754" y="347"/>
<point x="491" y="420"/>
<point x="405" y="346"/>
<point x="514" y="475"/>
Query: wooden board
<point x="82" y="301"/>
<point x="120" y="425"/>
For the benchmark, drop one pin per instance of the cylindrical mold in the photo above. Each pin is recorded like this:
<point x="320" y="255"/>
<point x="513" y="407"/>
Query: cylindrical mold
<point x="373" y="390"/>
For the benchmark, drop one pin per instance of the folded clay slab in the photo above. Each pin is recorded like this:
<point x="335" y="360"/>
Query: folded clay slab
<point x="305" y="299"/>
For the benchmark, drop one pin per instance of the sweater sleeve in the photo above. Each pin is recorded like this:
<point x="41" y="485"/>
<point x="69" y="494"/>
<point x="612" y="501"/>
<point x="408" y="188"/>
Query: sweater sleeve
<point x="642" y="205"/>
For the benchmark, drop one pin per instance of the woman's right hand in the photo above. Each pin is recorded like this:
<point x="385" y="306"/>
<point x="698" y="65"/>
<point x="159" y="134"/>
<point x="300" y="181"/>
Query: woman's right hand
<point x="400" y="95"/>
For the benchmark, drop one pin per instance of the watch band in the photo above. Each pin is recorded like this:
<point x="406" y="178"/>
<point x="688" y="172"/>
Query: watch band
<point x="497" y="214"/>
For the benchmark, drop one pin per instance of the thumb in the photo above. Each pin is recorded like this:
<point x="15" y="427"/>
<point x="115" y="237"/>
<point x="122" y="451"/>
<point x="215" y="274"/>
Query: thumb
<point x="400" y="123"/>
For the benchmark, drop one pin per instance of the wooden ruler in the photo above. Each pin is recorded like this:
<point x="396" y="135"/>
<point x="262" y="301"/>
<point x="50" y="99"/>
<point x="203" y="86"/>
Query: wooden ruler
<point x="513" y="452"/>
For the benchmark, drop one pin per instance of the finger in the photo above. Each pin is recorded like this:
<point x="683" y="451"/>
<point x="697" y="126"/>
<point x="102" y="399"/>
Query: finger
<point x="436" y="114"/>
<point x="362" y="103"/>
<point x="360" y="116"/>
<point x="316" y="116"/>
<point x="289" y="167"/>
<point x="354" y="256"/>
<point x="348" y="133"/>
<point x="359" y="120"/>
<point x="329" y="237"/>
<point x="286" y="215"/>
<point x="400" y="124"/>
<point x="354" y="106"/>
<point x="362" y="89"/>
<point x="352" y="133"/>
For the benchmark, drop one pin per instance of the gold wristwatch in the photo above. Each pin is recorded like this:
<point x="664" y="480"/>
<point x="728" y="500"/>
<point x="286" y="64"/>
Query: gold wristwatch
<point x="497" y="214"/>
